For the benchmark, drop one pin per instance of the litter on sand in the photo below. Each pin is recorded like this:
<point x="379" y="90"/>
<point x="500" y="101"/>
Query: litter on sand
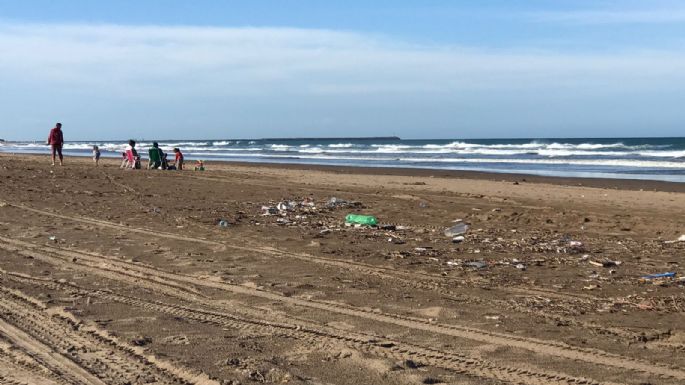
<point x="670" y="274"/>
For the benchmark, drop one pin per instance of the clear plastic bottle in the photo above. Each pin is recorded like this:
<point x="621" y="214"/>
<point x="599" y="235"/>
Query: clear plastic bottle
<point x="459" y="228"/>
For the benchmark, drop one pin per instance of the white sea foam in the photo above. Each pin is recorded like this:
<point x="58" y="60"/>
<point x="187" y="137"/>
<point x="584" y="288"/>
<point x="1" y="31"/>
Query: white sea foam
<point x="543" y="156"/>
<point x="584" y="162"/>
<point x="312" y="150"/>
<point x="280" y="147"/>
<point x="627" y="163"/>
<point x="663" y="154"/>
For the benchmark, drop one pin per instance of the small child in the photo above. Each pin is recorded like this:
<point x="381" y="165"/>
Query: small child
<point x="178" y="162"/>
<point x="199" y="165"/>
<point x="96" y="155"/>
<point x="165" y="161"/>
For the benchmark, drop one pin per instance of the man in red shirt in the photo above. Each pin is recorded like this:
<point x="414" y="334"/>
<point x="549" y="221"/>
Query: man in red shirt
<point x="56" y="140"/>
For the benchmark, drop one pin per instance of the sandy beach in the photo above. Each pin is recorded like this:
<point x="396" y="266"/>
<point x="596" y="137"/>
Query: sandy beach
<point x="113" y="276"/>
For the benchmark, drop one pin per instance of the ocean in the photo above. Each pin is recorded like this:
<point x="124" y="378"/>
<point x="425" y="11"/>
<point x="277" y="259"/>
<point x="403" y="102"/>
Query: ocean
<point x="627" y="158"/>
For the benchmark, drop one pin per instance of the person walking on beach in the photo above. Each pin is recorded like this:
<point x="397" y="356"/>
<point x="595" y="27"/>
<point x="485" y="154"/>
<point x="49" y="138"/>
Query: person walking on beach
<point x="56" y="141"/>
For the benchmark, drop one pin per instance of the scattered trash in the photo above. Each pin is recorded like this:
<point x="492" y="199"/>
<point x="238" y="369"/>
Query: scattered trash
<point x="476" y="264"/>
<point x="492" y="317"/>
<point x="223" y="223"/>
<point x="458" y="239"/>
<point x="412" y="364"/>
<point x="52" y="238"/>
<point x="680" y="239"/>
<point x="282" y="207"/>
<point x="367" y="220"/>
<point x="670" y="274"/>
<point x="458" y="229"/>
<point x="521" y="266"/>
<point x="337" y="202"/>
<point x="605" y="263"/>
<point x="141" y="341"/>
<point x="611" y="263"/>
<point x="575" y="244"/>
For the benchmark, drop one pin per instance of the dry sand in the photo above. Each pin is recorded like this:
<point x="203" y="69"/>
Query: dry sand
<point x="112" y="276"/>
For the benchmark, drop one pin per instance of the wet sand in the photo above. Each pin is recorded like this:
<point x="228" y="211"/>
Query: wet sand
<point x="124" y="276"/>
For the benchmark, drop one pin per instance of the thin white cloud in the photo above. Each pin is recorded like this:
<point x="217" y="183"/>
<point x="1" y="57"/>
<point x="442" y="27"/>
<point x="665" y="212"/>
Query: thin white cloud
<point x="158" y="76"/>
<point x="122" y="59"/>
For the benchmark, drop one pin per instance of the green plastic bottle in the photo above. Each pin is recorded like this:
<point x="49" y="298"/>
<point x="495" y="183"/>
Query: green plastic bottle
<point x="367" y="220"/>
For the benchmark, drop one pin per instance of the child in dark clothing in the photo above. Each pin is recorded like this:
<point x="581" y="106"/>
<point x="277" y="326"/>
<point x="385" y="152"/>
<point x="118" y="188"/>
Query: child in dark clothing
<point x="96" y="155"/>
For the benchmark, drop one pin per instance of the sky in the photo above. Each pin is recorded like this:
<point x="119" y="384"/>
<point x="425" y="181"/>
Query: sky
<point x="211" y="69"/>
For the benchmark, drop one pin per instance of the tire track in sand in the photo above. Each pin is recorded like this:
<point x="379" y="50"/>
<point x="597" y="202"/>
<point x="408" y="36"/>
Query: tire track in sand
<point x="17" y="368"/>
<point x="93" y="264"/>
<point x="78" y="354"/>
<point x="325" y="338"/>
<point x="44" y="354"/>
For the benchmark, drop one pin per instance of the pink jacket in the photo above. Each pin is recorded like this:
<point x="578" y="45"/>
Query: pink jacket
<point x="56" y="138"/>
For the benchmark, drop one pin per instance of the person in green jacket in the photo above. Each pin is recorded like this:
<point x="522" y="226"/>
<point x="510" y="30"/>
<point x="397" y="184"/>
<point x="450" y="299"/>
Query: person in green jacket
<point x="155" y="157"/>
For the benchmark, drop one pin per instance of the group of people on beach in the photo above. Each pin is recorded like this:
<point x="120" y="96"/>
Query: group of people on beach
<point x="157" y="159"/>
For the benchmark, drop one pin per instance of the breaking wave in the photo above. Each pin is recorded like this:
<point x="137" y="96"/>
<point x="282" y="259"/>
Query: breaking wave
<point x="659" y="157"/>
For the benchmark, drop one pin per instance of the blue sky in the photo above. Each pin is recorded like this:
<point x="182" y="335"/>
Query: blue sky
<point x="417" y="69"/>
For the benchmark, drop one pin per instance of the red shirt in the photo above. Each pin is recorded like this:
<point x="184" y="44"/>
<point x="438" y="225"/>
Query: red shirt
<point x="179" y="156"/>
<point x="55" y="138"/>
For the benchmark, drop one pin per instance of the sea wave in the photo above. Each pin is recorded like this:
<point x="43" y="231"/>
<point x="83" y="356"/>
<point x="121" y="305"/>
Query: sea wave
<point x="584" y="162"/>
<point x="661" y="156"/>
